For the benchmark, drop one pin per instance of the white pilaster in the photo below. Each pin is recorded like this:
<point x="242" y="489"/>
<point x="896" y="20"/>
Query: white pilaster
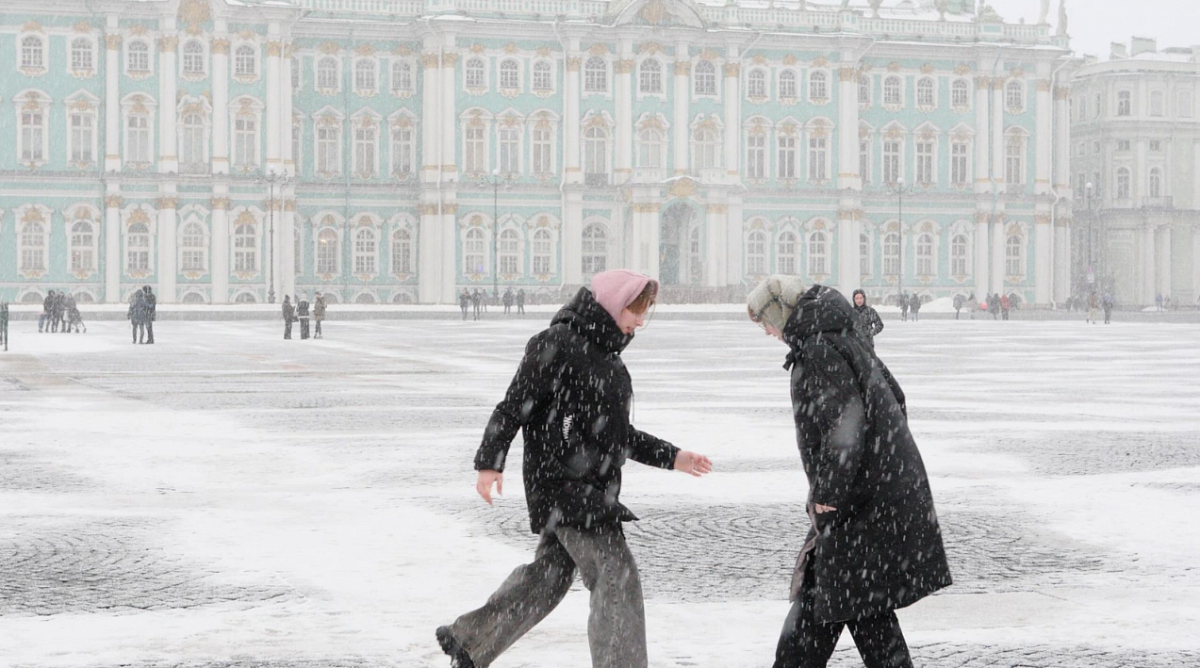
<point x="716" y="255"/>
<point x="982" y="137"/>
<point x="220" y="102"/>
<point x="982" y="259"/>
<point x="166" y="205"/>
<point x="572" y="239"/>
<point x="1042" y="259"/>
<point x="220" y="244"/>
<point x="287" y="247"/>
<point x="998" y="131"/>
<point x="1043" y="146"/>
<point x="571" y="138"/>
<point x="286" y="99"/>
<point x="112" y="245"/>
<point x="623" y="153"/>
<point x="735" y="241"/>
<point x="847" y="135"/>
<point x="449" y="120"/>
<point x="274" y="111"/>
<point x="998" y="263"/>
<point x="1062" y="263"/>
<point x="1164" y="260"/>
<point x="733" y="126"/>
<point x="112" y="98"/>
<point x="681" y="109"/>
<point x="168" y="143"/>
<point x="1148" y="269"/>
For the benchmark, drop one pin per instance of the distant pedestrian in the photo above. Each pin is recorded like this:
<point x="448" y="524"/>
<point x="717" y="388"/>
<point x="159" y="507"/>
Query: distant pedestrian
<point x="137" y="315"/>
<point x="994" y="305"/>
<point x="508" y="301"/>
<point x="302" y="315"/>
<point x="915" y="307"/>
<point x="46" y="316"/>
<point x="464" y="302"/>
<point x="74" y="318"/>
<point x="869" y="323"/>
<point x="903" y="307"/>
<point x="958" y="304"/>
<point x="521" y="301"/>
<point x="1005" y="304"/>
<point x="476" y="302"/>
<point x="151" y="313"/>
<point x="289" y="315"/>
<point x="1158" y="301"/>
<point x="58" y="311"/>
<point x="1093" y="303"/>
<point x="1107" y="304"/>
<point x="318" y="315"/>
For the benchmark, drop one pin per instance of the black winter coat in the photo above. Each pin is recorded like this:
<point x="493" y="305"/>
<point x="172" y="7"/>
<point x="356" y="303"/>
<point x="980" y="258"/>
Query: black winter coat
<point x="868" y="323"/>
<point x="571" y="399"/>
<point x="882" y="548"/>
<point x="151" y="306"/>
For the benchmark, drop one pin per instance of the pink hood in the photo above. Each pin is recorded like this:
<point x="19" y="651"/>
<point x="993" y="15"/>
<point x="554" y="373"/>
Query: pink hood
<point x="616" y="289"/>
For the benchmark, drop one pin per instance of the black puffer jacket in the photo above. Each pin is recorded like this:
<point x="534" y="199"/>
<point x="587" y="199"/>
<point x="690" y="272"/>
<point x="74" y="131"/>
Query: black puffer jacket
<point x="869" y="323"/>
<point x="571" y="398"/>
<point x="881" y="549"/>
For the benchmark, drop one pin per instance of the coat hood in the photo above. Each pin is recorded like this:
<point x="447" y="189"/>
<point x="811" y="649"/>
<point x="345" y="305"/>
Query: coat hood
<point x="821" y="309"/>
<point x="864" y="306"/>
<point x="618" y="288"/>
<point x="587" y="317"/>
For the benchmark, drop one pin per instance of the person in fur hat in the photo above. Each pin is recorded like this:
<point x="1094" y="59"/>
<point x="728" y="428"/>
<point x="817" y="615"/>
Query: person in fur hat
<point x="571" y="398"/>
<point x="874" y="545"/>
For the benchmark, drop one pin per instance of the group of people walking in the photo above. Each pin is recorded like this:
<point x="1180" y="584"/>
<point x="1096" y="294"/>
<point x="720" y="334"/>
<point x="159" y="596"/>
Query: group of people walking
<point x="299" y="312"/>
<point x="143" y="311"/>
<point x="476" y="302"/>
<point x="60" y="313"/>
<point x="874" y="544"/>
<point x="910" y="303"/>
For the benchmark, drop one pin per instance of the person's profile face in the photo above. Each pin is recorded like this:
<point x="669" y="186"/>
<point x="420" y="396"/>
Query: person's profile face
<point x="630" y="321"/>
<point x="859" y="300"/>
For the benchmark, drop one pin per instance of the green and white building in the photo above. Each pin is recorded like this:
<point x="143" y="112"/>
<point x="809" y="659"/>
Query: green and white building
<point x="220" y="150"/>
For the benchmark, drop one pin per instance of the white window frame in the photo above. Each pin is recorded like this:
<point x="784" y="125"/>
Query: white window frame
<point x="926" y="162"/>
<point x="32" y="61"/>
<point x="401" y="251"/>
<point x="129" y="105"/>
<point x="819" y="154"/>
<point x="238" y="136"/>
<point x="543" y="122"/>
<point x="510" y="249"/>
<point x="960" y="163"/>
<point x="470" y="71"/>
<point x="960" y="263"/>
<point x="787" y="148"/>
<point x="1015" y="96"/>
<point x="322" y="260"/>
<point x="541" y="260"/>
<point x="756" y="253"/>
<point x="128" y="266"/>
<point x="793" y="82"/>
<point x="1153" y="189"/>
<point x="185" y="251"/>
<point x="475" y="248"/>
<point x="73" y="66"/>
<point x="184" y="57"/>
<point x="1021" y="143"/>
<point x="1124" y="103"/>
<point x="366" y="148"/>
<point x="200" y="165"/>
<point x="645" y="78"/>
<point x="818" y="253"/>
<point x="594" y="248"/>
<point x="890" y="164"/>
<point x="402" y="122"/>
<point x="510" y="80"/>
<point x="362" y="86"/>
<point x="325" y="122"/>
<point x="787" y="257"/>
<point x="962" y="86"/>
<point x="1009" y="258"/>
<point x="243" y="255"/>
<point x="236" y="61"/>
<point x="704" y="149"/>
<point x="318" y="63"/>
<point x="592" y="144"/>
<point x="899" y="102"/>
<point x="890" y="253"/>
<point x="1124" y="183"/>
<point x="366" y="251"/>
<point x="27" y="251"/>
<point x="865" y="85"/>
<point x="85" y="155"/>
<point x="397" y="67"/>
<point x="931" y="84"/>
<point x="32" y="106"/>
<point x="77" y="251"/>
<point x="128" y="59"/>
<point x="864" y="254"/>
<point x="539" y="68"/>
<point x="756" y="85"/>
<point x="926" y="262"/>
<point x="819" y="87"/>
<point x="589" y="76"/>
<point x="510" y="146"/>
<point x="705" y="84"/>
<point x="651" y="148"/>
<point x="757" y="165"/>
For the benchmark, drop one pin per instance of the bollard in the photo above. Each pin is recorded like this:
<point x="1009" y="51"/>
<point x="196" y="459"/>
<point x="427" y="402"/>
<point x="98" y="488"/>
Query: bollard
<point x="4" y="325"/>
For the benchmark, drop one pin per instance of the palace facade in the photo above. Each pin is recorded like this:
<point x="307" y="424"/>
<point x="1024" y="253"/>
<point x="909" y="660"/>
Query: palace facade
<point x="401" y="150"/>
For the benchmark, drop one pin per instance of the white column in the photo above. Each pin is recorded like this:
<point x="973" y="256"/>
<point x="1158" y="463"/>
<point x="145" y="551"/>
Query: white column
<point x="1148" y="270"/>
<point x="112" y="246"/>
<point x="429" y="242"/>
<point x="571" y="139"/>
<point x="982" y="138"/>
<point x="998" y="130"/>
<point x="168" y="143"/>
<point x="735" y="240"/>
<point x="1164" y="260"/>
<point x="646" y="237"/>
<point x="1062" y="134"/>
<point x="848" y="276"/>
<point x="623" y="153"/>
<point x="572" y="239"/>
<point x="274" y="111"/>
<point x="220" y="102"/>
<point x="112" y="97"/>
<point x="449" y="242"/>
<point x="998" y="263"/>
<point x="286" y="110"/>
<point x="682" y="146"/>
<point x="449" y="133"/>
<point x="287" y="265"/>
<point x="982" y="259"/>
<point x="1195" y="266"/>
<point x="717" y="251"/>
<point x="1062" y="261"/>
<point x="733" y="125"/>
<point x="220" y="244"/>
<point x="847" y="134"/>
<point x="1042" y="144"/>
<point x="167" y="203"/>
<point x="1042" y="259"/>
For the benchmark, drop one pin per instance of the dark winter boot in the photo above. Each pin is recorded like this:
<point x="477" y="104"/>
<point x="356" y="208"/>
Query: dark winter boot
<point x="458" y="656"/>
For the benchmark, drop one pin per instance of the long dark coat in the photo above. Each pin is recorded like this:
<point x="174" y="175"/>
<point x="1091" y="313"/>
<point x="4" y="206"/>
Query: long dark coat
<point x="882" y="548"/>
<point x="139" y="310"/>
<point x="869" y="323"/>
<point x="571" y="398"/>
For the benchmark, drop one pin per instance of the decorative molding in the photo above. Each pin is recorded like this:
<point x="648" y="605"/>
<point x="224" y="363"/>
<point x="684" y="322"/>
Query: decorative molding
<point x="113" y="201"/>
<point x="847" y="74"/>
<point x="330" y="48"/>
<point x="645" y="207"/>
<point x="574" y="63"/>
<point x="983" y="82"/>
<point x="220" y="46"/>
<point x="429" y="60"/>
<point x="166" y="202"/>
<point x="168" y="44"/>
<point x="449" y="59"/>
<point x="113" y="42"/>
<point x="219" y="203"/>
<point x="1043" y="85"/>
<point x="598" y="50"/>
<point x="623" y="67"/>
<point x="274" y="49"/>
<point x="733" y="69"/>
<point x="682" y="68"/>
<point x="717" y="208"/>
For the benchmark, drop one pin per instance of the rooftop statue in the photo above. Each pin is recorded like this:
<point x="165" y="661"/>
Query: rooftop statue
<point x="1062" y="18"/>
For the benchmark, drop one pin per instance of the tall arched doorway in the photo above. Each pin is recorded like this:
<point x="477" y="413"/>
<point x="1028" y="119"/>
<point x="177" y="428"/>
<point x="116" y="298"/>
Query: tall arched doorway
<point x="673" y="243"/>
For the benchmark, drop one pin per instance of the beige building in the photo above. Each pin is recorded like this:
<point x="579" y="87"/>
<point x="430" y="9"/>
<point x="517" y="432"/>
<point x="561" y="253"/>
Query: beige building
<point x="1135" y="136"/>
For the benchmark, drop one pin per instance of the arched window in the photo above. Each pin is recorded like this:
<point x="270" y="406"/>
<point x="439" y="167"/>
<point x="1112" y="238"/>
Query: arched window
<point x="925" y="255"/>
<point x="402" y="81"/>
<point x="708" y="146"/>
<point x="1014" y="160"/>
<point x="891" y="254"/>
<point x="193" y="298"/>
<point x="364" y="75"/>
<point x="818" y="86"/>
<point x="510" y="74"/>
<point x="595" y="249"/>
<point x="1123" y="183"/>
<point x="138" y="57"/>
<point x="33" y="54"/>
<point x="650" y="144"/>
<point x="192" y="140"/>
<point x="364" y="251"/>
<point x="366" y="143"/>
<point x="958" y="255"/>
<point x="245" y="248"/>
<point x="1156" y="182"/>
<point x="475" y="73"/>
<point x="245" y="298"/>
<point x="650" y="77"/>
<point x="245" y="61"/>
<point x="509" y="253"/>
<point x="365" y="298"/>
<point x="756" y="83"/>
<point x="328" y="252"/>
<point x="925" y="92"/>
<point x="543" y="80"/>
<point x="193" y="57"/>
<point x="595" y="75"/>
<point x="864" y="255"/>
<point x="864" y="90"/>
<point x="756" y="253"/>
<point x="787" y="85"/>
<point x="33" y="247"/>
<point x="1014" y="96"/>
<point x="245" y="140"/>
<point x="137" y="248"/>
<point x="595" y="146"/>
<point x="818" y="245"/>
<point x="786" y="253"/>
<point x="191" y="243"/>
<point x="960" y="94"/>
<point x="1014" y="260"/>
<point x="402" y="252"/>
<point x="542" y="246"/>
<point x="706" y="78"/>
<point x="892" y="90"/>
<point x="695" y="261"/>
<point x="83" y="246"/>
<point x="327" y="73"/>
<point x="82" y="55"/>
<point x="473" y="252"/>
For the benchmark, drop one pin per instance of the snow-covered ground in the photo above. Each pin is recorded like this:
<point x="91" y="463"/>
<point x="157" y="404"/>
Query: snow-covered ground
<point x="228" y="498"/>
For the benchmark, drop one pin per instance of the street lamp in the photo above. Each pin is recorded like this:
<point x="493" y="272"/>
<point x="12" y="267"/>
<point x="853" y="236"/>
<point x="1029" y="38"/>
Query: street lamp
<point x="272" y="178"/>
<point x="1090" y="275"/>
<point x="495" y="182"/>
<point x="897" y="189"/>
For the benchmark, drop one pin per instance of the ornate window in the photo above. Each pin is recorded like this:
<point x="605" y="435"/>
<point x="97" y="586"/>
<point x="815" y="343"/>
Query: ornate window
<point x="542" y="246"/>
<point x="193" y="58"/>
<point x="83" y="58"/>
<point x="891" y="161"/>
<point x="595" y="249"/>
<point x="864" y="90"/>
<point x="864" y="255"/>
<point x="83" y="246"/>
<point x="925" y="163"/>
<point x="786" y="168"/>
<point x="245" y="62"/>
<point x="364" y="251"/>
<point x="245" y="248"/>
<point x="818" y="159"/>
<point x="958" y="255"/>
<point x="192" y="250"/>
<point x="328" y="253"/>
<point x="756" y="156"/>
<point x="542" y="151"/>
<point x="402" y="78"/>
<point x="705" y="78"/>
<point x="1156" y="182"/>
<point x="650" y="77"/>
<point x="33" y="246"/>
<point x="1185" y="102"/>
<point x="925" y="94"/>
<point x="787" y="85"/>
<point x="818" y="248"/>
<point x="543" y="77"/>
<point x="192" y="141"/>
<point x="786" y="253"/>
<point x="510" y="75"/>
<point x="137" y="248"/>
<point x="83" y="136"/>
<point x="864" y="160"/>
<point x="366" y="143"/>
<point x="33" y="53"/>
<point x="595" y="75"/>
<point x="365" y="79"/>
<point x="33" y="134"/>
<point x="329" y="139"/>
<point x="403" y="150"/>
<point x="245" y="141"/>
<point x="756" y="84"/>
<point x="925" y="255"/>
<point x="137" y="139"/>
<point x="818" y="86"/>
<point x="1014" y="256"/>
<point x="475" y="149"/>
<point x="1123" y="183"/>
<point x="892" y="91"/>
<point x="960" y="163"/>
<point x="1124" y="103"/>
<point x="509" y="144"/>
<point x="650" y="148"/>
<point x="475" y="73"/>
<point x="891" y="254"/>
<point x="960" y="94"/>
<point x="474" y="256"/>
<point x="1014" y="160"/>
<point x="137" y="57"/>
<point x="708" y="147"/>
<point x="1014" y="97"/>
<point x="402" y="252"/>
<point x="756" y="253"/>
<point x="595" y="153"/>
<point x="327" y="73"/>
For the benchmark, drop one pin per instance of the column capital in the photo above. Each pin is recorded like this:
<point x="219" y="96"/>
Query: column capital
<point x="847" y="74"/>
<point x="113" y="42"/>
<point x="683" y="67"/>
<point x="219" y="203"/>
<point x="168" y="44"/>
<point x="573" y="63"/>
<point x="274" y="49"/>
<point x="623" y="67"/>
<point x="113" y="201"/>
<point x="733" y="69"/>
<point x="166" y="202"/>
<point x="220" y="46"/>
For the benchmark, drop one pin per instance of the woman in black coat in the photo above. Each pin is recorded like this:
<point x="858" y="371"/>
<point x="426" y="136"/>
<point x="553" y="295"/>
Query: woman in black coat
<point x="869" y="323"/>
<point x="875" y="545"/>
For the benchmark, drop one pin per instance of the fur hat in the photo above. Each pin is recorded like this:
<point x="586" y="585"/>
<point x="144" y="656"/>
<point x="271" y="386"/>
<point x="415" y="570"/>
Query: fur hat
<point x="774" y="299"/>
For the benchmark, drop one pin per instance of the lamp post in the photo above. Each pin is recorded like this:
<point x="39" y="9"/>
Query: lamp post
<point x="897" y="189"/>
<point x="494" y="180"/>
<point x="272" y="178"/>
<point x="1089" y="274"/>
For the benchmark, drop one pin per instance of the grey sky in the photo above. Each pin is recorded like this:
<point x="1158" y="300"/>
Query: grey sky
<point x="1093" y="24"/>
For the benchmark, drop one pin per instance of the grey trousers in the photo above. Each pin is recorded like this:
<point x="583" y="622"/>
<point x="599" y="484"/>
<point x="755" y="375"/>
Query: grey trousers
<point x="616" y="625"/>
